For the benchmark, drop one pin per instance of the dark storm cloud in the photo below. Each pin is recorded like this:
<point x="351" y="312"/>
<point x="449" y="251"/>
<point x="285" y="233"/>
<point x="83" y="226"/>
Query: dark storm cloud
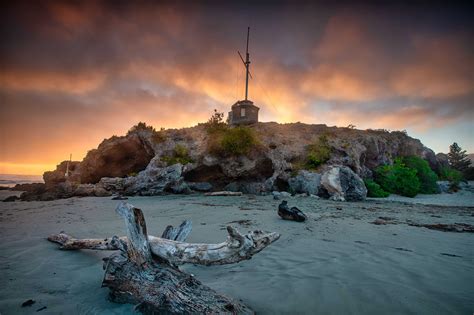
<point x="97" y="66"/>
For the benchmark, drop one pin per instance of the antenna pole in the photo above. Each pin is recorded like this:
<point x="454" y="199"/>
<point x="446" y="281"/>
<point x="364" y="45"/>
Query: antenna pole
<point x="247" y="65"/>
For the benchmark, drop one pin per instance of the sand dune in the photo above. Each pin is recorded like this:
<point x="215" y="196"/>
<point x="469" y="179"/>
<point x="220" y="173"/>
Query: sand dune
<point x="335" y="263"/>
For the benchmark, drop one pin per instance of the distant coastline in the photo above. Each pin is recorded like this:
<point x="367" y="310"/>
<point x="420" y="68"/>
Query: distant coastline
<point x="10" y="180"/>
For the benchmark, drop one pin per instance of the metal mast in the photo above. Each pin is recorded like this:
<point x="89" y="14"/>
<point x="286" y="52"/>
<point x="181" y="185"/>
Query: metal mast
<point x="247" y="65"/>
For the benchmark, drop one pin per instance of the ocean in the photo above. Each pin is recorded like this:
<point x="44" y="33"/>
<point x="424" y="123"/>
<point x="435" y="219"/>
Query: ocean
<point x="10" y="180"/>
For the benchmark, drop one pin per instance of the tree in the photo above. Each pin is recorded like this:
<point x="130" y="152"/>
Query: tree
<point x="458" y="158"/>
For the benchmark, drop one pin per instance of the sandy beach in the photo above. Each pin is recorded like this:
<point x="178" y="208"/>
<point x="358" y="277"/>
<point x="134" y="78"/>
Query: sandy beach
<point x="337" y="262"/>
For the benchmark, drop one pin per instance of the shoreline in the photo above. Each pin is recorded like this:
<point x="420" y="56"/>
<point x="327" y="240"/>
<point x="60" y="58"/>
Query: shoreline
<point x="336" y="262"/>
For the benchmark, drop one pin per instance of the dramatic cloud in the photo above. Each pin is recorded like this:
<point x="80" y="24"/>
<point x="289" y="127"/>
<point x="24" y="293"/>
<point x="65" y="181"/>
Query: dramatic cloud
<point x="73" y="73"/>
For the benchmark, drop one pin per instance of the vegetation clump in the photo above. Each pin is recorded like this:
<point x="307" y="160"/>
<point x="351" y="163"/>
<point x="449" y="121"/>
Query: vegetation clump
<point x="408" y="176"/>
<point x="216" y="123"/>
<point x="238" y="141"/>
<point x="398" y="179"/>
<point x="180" y="155"/>
<point x="374" y="190"/>
<point x="318" y="153"/>
<point x="156" y="136"/>
<point x="457" y="158"/>
<point x="226" y="141"/>
<point x="425" y="174"/>
<point x="141" y="126"/>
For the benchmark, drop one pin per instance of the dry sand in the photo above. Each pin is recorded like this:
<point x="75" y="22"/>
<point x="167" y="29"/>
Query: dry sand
<point x="335" y="263"/>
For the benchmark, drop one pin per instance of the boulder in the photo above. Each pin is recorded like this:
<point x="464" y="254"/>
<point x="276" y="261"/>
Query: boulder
<point x="84" y="190"/>
<point x="53" y="178"/>
<point x="443" y="186"/>
<point x="305" y="182"/>
<point x="155" y="180"/>
<point x="341" y="183"/>
<point x="116" y="157"/>
<point x="112" y="184"/>
<point x="11" y="198"/>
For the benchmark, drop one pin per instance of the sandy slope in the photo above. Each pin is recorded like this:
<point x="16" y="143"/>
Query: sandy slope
<point x="336" y="263"/>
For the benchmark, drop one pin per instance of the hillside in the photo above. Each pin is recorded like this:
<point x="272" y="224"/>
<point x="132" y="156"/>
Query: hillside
<point x="148" y="162"/>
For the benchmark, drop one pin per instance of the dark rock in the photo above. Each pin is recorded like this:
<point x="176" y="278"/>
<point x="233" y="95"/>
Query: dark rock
<point x="156" y="180"/>
<point x="11" y="198"/>
<point x="28" y="303"/>
<point x="33" y="188"/>
<point x="52" y="178"/>
<point x="305" y="182"/>
<point x="293" y="214"/>
<point x="116" y="157"/>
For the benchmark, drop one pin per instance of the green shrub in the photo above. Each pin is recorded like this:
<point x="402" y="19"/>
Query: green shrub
<point x="180" y="155"/>
<point x="374" y="189"/>
<point x="318" y="153"/>
<point x="216" y="123"/>
<point x="424" y="173"/>
<point x="238" y="141"/>
<point x="398" y="179"/>
<point x="141" y="126"/>
<point x="453" y="176"/>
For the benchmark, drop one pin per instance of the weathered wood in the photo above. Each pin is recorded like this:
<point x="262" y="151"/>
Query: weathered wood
<point x="236" y="248"/>
<point x="137" y="247"/>
<point x="178" y="234"/>
<point x="224" y="193"/>
<point x="155" y="286"/>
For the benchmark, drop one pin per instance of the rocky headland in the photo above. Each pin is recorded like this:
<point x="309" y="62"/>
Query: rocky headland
<point x="181" y="161"/>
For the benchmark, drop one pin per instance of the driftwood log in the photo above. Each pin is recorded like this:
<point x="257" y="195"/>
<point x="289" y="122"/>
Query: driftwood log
<point x="143" y="272"/>
<point x="224" y="193"/>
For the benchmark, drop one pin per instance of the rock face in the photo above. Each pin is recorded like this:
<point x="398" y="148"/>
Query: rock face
<point x="305" y="183"/>
<point x="342" y="184"/>
<point x="116" y="157"/>
<point x="136" y="164"/>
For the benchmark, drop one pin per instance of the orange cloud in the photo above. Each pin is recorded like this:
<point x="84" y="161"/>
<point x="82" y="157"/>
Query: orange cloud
<point x="440" y="68"/>
<point x="51" y="81"/>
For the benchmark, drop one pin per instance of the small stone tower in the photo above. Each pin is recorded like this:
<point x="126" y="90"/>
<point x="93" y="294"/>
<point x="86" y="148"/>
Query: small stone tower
<point x="244" y="112"/>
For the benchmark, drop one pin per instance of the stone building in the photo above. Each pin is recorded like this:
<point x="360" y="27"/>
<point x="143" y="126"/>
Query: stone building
<point x="244" y="112"/>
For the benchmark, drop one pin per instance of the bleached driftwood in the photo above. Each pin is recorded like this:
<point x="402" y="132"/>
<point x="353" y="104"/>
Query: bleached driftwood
<point x="236" y="248"/>
<point x="224" y="193"/>
<point x="135" y="276"/>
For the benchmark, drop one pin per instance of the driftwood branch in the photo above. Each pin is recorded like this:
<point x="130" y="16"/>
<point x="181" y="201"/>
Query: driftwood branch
<point x="178" y="234"/>
<point x="236" y="248"/>
<point x="156" y="287"/>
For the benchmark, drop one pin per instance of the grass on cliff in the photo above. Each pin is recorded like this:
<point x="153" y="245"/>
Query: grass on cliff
<point x="180" y="155"/>
<point x="156" y="136"/>
<point x="235" y="141"/>
<point x="224" y="140"/>
<point x="318" y="153"/>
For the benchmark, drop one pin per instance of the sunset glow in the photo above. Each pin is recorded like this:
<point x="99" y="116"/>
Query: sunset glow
<point x="74" y="73"/>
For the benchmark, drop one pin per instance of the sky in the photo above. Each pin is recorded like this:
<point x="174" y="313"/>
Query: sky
<point x="73" y="73"/>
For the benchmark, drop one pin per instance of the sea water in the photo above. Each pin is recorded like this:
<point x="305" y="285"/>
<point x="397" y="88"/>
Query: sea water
<point x="10" y="180"/>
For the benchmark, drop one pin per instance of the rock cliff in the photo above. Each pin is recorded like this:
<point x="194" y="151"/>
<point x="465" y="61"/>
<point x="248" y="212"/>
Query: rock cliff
<point x="139" y="163"/>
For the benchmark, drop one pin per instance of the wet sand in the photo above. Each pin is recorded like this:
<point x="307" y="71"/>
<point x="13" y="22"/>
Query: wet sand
<point x="337" y="262"/>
